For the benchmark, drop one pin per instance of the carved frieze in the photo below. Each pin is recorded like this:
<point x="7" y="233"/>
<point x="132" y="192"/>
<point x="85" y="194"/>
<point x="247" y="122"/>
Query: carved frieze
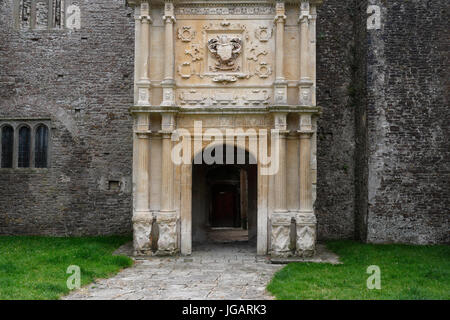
<point x="257" y="97"/>
<point x="226" y="10"/>
<point x="224" y="97"/>
<point x="193" y="97"/>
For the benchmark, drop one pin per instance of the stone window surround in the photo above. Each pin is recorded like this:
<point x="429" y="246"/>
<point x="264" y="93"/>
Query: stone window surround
<point x="33" y="124"/>
<point x="51" y="23"/>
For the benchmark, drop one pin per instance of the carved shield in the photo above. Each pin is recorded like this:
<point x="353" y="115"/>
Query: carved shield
<point x="225" y="51"/>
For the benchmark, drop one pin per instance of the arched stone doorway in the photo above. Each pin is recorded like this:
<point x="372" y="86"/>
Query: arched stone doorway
<point x="226" y="76"/>
<point x="224" y="200"/>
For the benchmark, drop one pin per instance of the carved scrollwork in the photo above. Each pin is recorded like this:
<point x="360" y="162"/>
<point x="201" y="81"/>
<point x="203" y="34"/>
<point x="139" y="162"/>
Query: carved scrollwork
<point x="224" y="98"/>
<point x="185" y="70"/>
<point x="255" y="51"/>
<point x="263" y="70"/>
<point x="186" y="34"/>
<point x="263" y="33"/>
<point x="192" y="97"/>
<point x="225" y="78"/>
<point x="195" y="51"/>
<point x="256" y="97"/>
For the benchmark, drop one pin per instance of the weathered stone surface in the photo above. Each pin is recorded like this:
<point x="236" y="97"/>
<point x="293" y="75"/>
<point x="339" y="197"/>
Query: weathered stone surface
<point x="306" y="240"/>
<point x="212" y="272"/>
<point x="381" y="152"/>
<point x="142" y="234"/>
<point x="407" y="124"/>
<point x="167" y="230"/>
<point x="281" y="235"/>
<point x="82" y="80"/>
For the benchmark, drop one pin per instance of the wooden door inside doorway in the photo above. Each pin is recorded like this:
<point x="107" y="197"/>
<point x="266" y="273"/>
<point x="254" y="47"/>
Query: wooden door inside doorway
<point x="224" y="207"/>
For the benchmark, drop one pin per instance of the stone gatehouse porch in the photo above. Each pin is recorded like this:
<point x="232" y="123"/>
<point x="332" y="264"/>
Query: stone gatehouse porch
<point x="221" y="78"/>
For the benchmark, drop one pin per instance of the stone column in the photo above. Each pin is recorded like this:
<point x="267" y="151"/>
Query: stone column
<point x="167" y="218"/>
<point x="312" y="52"/>
<point x="143" y="84"/>
<point x="305" y="83"/>
<point x="280" y="80"/>
<point x="142" y="217"/>
<point x="305" y="172"/>
<point x="169" y="62"/>
<point x="280" y="177"/>
<point x="186" y="209"/>
<point x="305" y="219"/>
<point x="281" y="219"/>
<point x="244" y="198"/>
<point x="167" y="174"/>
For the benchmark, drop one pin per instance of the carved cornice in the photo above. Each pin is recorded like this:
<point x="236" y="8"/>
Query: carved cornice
<point x="229" y="109"/>
<point x="220" y="2"/>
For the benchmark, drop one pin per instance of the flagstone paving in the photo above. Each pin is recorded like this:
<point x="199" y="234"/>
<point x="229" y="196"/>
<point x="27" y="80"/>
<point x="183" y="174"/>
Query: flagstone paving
<point x="214" y="271"/>
<point x="229" y="271"/>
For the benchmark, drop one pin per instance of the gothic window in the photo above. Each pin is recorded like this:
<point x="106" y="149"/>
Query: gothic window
<point x="24" y="147"/>
<point x="7" y="147"/>
<point x="41" y="147"/>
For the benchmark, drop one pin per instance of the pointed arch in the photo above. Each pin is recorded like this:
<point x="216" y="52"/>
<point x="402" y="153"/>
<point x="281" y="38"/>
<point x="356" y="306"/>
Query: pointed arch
<point x="7" y="146"/>
<point x="41" y="146"/>
<point x="24" y="151"/>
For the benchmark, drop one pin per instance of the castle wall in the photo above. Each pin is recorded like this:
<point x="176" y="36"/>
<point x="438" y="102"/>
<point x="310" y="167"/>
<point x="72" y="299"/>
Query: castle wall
<point x="407" y="123"/>
<point x="336" y="129"/>
<point x="381" y="158"/>
<point x="83" y="81"/>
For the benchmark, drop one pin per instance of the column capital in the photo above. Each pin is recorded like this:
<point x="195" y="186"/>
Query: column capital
<point x="280" y="15"/>
<point x="169" y="19"/>
<point x="280" y="18"/>
<point x="305" y="15"/>
<point x="143" y="134"/>
<point x="165" y="134"/>
<point x="281" y="133"/>
<point x="145" y="19"/>
<point x="303" y="134"/>
<point x="280" y="121"/>
<point x="169" y="12"/>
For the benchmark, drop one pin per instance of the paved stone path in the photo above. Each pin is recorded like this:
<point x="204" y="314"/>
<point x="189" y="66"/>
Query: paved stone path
<point x="216" y="271"/>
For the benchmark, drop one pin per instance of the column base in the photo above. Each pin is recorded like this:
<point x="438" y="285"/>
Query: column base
<point x="168" y="235"/>
<point x="142" y="233"/>
<point x="293" y="234"/>
<point x="306" y="233"/>
<point x="281" y="235"/>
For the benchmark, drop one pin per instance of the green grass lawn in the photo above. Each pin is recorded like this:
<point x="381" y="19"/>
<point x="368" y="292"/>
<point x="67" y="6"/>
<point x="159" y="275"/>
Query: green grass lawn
<point x="35" y="267"/>
<point x="407" y="272"/>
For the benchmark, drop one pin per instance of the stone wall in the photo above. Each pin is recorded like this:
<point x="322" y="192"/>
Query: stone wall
<point x="358" y="96"/>
<point x="408" y="123"/>
<point x="336" y="130"/>
<point x="83" y="81"/>
<point x="382" y="148"/>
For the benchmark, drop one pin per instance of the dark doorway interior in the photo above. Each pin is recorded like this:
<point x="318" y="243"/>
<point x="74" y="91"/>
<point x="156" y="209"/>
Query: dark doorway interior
<point x="224" y="202"/>
<point x="225" y="210"/>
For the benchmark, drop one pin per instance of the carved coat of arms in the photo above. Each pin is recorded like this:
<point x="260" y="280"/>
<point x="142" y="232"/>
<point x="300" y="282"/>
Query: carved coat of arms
<point x="225" y="50"/>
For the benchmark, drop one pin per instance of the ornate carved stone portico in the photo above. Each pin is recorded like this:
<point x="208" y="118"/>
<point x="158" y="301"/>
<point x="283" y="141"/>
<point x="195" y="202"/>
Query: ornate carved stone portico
<point x="235" y="73"/>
